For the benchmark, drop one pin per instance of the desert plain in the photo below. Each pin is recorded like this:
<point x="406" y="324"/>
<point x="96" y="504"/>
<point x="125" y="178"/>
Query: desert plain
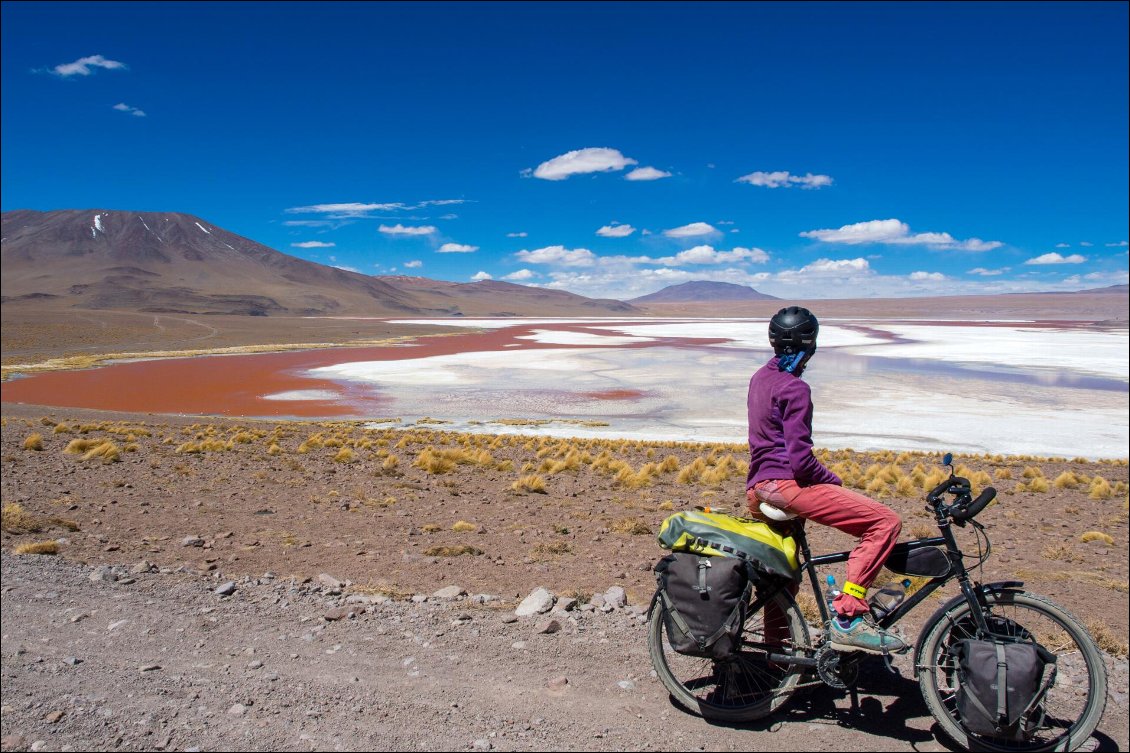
<point x="372" y="573"/>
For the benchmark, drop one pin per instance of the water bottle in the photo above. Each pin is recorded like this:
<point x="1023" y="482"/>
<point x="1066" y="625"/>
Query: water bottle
<point x="833" y="592"/>
<point x="886" y="599"/>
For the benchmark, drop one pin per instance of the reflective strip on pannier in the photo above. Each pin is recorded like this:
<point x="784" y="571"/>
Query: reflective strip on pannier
<point x="720" y="535"/>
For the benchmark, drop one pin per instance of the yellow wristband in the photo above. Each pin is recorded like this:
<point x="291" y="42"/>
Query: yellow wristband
<point x="854" y="589"/>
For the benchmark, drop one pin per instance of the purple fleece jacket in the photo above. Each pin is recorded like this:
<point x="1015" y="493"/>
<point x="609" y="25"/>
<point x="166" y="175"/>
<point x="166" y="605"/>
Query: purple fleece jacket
<point x="780" y="430"/>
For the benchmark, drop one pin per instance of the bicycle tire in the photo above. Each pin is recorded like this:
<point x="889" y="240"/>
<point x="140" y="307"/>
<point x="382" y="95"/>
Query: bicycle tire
<point x="1073" y="706"/>
<point x="741" y="688"/>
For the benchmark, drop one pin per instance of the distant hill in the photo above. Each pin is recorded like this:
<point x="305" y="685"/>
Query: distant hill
<point x="703" y="291"/>
<point x="1122" y="289"/>
<point x="167" y="262"/>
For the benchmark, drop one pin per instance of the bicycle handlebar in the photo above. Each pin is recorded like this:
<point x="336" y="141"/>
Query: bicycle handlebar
<point x="963" y="513"/>
<point x="963" y="509"/>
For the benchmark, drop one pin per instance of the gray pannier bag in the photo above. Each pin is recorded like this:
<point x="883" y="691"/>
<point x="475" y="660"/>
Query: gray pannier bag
<point x="704" y="602"/>
<point x="1002" y="686"/>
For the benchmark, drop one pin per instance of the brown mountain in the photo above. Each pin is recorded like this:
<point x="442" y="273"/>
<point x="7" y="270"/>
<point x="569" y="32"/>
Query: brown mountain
<point x="167" y="262"/>
<point x="704" y="290"/>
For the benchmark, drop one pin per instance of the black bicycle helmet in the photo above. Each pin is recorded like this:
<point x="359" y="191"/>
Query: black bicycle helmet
<point x="792" y="330"/>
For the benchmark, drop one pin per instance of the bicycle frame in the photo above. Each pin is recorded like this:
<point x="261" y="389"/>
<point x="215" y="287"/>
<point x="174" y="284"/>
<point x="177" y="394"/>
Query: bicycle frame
<point x="810" y="565"/>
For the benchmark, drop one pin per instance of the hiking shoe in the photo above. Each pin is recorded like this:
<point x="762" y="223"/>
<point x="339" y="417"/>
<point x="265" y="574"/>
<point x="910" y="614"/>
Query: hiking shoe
<point x="863" y="635"/>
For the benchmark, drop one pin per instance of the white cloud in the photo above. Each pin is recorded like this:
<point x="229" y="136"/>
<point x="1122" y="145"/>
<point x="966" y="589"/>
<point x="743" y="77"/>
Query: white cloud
<point x="521" y="274"/>
<point x="348" y="209"/>
<point x="785" y="179"/>
<point x="315" y="223"/>
<point x="896" y="232"/>
<point x="82" y="66"/>
<point x="517" y="235"/>
<point x="348" y="269"/>
<point x="708" y="255"/>
<point x="1086" y="244"/>
<point x="480" y="276"/>
<point x="987" y="272"/>
<point x="1120" y="244"/>
<point x="835" y="266"/>
<point x="616" y="230"/>
<point x="440" y="202"/>
<point x="559" y="255"/>
<point x="456" y="248"/>
<point x="1063" y="245"/>
<point x="313" y="244"/>
<point x="399" y="229"/>
<point x="690" y="231"/>
<point x="135" y="111"/>
<point x="1056" y="258"/>
<point x="414" y="264"/>
<point x="646" y="173"/>
<point x="931" y="276"/>
<point x="580" y="161"/>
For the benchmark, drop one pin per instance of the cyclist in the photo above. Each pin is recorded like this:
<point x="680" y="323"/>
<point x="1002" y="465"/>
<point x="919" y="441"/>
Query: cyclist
<point x="785" y="474"/>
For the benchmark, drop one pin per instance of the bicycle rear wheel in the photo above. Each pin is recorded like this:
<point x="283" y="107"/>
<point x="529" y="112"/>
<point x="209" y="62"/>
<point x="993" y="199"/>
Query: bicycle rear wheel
<point x="745" y="686"/>
<point x="1072" y="707"/>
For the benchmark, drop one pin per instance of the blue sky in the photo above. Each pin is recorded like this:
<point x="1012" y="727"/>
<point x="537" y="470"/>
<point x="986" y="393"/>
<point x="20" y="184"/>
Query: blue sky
<point x="810" y="150"/>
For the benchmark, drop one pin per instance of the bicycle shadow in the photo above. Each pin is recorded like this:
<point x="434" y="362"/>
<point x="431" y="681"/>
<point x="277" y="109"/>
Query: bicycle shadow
<point x="882" y="703"/>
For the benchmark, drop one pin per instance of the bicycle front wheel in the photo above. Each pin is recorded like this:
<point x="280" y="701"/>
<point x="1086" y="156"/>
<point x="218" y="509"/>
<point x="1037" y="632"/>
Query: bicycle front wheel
<point x="1072" y="707"/>
<point x="742" y="687"/>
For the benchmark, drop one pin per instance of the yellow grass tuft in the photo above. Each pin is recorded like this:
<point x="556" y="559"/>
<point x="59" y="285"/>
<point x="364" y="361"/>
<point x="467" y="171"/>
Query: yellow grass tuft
<point x="531" y="483"/>
<point x="1090" y="536"/>
<point x="1038" y="484"/>
<point x="431" y="527"/>
<point x="345" y="455"/>
<point x="1032" y="471"/>
<point x="632" y="526"/>
<point x="274" y="449"/>
<point x="1066" y="480"/>
<point x="452" y="551"/>
<point x="34" y="442"/>
<point x="1106" y="639"/>
<point x="38" y="547"/>
<point x="14" y="519"/>
<point x="1100" y="488"/>
<point x="463" y="526"/>
<point x="106" y="451"/>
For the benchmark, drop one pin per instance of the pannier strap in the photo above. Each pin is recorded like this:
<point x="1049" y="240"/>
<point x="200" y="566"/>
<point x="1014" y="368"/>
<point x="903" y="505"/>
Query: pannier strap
<point x="702" y="588"/>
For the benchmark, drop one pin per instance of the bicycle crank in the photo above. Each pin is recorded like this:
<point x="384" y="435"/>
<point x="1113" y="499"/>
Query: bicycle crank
<point x="837" y="670"/>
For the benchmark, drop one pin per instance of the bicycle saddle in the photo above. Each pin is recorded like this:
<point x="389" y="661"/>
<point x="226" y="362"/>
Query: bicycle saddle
<point x="775" y="513"/>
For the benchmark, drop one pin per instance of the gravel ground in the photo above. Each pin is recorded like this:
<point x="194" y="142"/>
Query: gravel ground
<point x="116" y="658"/>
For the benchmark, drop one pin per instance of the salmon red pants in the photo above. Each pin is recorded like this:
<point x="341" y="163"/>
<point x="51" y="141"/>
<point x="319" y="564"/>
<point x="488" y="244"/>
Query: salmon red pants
<point x="876" y="525"/>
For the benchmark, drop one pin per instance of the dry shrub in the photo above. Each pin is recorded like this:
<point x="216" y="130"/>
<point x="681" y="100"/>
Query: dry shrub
<point x="556" y="548"/>
<point x="431" y="527"/>
<point x="1038" y="485"/>
<point x="61" y="428"/>
<point x="1066" y="480"/>
<point x="107" y="452"/>
<point x="274" y="449"/>
<point x="1060" y="552"/>
<point x="345" y="455"/>
<point x="1100" y="488"/>
<point x="1032" y="471"/>
<point x="79" y="446"/>
<point x="1004" y="474"/>
<point x="390" y="463"/>
<point x="666" y="505"/>
<point x="34" y="442"/>
<point x="632" y="526"/>
<point x="1107" y="639"/>
<point x="463" y="526"/>
<point x="14" y="519"/>
<point x="530" y="483"/>
<point x="1090" y="536"/>
<point x="452" y="551"/>
<point x="38" y="547"/>
<point x="809" y="608"/>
